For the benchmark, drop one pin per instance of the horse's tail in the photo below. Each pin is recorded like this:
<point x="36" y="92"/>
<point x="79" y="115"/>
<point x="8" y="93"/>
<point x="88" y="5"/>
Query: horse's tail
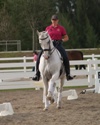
<point x="81" y="54"/>
<point x="82" y="59"/>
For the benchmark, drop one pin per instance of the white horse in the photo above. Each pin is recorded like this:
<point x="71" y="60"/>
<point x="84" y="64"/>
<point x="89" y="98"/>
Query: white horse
<point x="51" y="69"/>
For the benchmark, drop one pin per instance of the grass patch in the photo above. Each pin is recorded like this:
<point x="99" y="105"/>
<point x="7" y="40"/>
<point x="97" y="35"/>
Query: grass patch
<point x="13" y="90"/>
<point x="73" y="87"/>
<point x="30" y="53"/>
<point x="23" y="89"/>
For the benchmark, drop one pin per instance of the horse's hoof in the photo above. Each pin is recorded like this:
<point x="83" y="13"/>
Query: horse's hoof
<point x="58" y="107"/>
<point x="93" y="91"/>
<point x="83" y="92"/>
<point x="48" y="98"/>
<point x="45" y="109"/>
<point x="74" y="76"/>
<point x="52" y="101"/>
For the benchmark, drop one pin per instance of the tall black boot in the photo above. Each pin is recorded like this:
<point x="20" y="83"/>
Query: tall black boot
<point x="67" y="69"/>
<point x="69" y="77"/>
<point x="37" y="76"/>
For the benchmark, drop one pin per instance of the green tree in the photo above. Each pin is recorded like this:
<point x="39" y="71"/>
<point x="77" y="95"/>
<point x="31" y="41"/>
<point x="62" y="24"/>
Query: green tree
<point x="91" y="37"/>
<point x="81" y="22"/>
<point x="23" y="18"/>
<point x="77" y="12"/>
<point x="93" y="14"/>
<point x="31" y="15"/>
<point x="72" y="33"/>
<point x="19" y="19"/>
<point x="6" y="27"/>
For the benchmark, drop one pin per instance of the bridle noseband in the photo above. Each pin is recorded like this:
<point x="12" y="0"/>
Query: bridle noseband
<point x="48" y="42"/>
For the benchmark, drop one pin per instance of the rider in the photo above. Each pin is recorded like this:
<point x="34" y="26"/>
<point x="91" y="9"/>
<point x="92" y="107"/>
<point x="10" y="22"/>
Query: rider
<point x="58" y="35"/>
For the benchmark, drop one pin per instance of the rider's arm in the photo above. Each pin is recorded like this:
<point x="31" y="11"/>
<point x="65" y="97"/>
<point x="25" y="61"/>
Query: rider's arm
<point x="65" y="38"/>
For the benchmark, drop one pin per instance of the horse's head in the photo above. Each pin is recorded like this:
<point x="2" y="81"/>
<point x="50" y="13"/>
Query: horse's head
<point x="45" y="43"/>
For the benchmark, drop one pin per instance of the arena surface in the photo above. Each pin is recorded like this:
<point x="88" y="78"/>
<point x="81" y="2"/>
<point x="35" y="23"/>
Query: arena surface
<point x="28" y="109"/>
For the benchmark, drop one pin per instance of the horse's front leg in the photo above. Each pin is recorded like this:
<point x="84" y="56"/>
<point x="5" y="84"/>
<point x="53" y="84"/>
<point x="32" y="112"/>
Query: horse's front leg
<point x="60" y="93"/>
<point x="45" y="91"/>
<point x="51" y="97"/>
<point x="51" y="87"/>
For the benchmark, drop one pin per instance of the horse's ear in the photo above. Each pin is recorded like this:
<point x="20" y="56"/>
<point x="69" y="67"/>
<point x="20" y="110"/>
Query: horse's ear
<point x="37" y="32"/>
<point x="47" y="32"/>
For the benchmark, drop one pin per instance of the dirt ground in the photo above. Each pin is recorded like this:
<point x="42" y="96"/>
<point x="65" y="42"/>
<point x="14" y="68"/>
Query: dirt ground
<point x="28" y="109"/>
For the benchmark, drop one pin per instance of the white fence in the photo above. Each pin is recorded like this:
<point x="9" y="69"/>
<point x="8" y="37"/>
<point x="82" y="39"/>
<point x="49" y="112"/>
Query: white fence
<point x="21" y="67"/>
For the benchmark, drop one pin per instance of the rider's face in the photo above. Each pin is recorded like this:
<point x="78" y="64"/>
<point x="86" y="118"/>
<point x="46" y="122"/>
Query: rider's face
<point x="54" y="22"/>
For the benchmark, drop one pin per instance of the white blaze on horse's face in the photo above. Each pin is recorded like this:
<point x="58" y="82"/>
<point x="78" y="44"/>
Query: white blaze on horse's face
<point x="44" y="40"/>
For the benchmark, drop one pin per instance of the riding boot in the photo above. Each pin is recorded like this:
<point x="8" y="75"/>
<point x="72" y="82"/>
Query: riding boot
<point x="37" y="75"/>
<point x="69" y="77"/>
<point x="67" y="69"/>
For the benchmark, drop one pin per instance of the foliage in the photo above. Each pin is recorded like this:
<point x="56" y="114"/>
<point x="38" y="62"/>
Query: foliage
<point x="85" y="33"/>
<point x="27" y="16"/>
<point x="72" y="33"/>
<point x="91" y="36"/>
<point x="19" y="19"/>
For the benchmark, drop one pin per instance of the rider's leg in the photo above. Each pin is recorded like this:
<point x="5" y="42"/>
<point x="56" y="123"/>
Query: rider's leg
<point x="37" y="75"/>
<point x="65" y="61"/>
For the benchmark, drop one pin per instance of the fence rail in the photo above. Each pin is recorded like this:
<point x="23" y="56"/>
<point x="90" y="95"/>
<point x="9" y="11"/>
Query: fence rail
<point x="13" y="68"/>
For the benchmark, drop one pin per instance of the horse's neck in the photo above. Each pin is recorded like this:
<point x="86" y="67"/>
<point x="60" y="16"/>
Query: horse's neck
<point x="51" y="44"/>
<point x="54" y="62"/>
<point x="57" y="54"/>
<point x="55" y="50"/>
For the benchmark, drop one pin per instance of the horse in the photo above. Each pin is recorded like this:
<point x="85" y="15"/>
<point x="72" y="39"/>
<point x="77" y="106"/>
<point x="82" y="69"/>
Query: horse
<point x="51" y="68"/>
<point x="76" y="55"/>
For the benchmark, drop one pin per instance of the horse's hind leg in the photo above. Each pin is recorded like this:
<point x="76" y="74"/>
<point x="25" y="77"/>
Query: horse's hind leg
<point x="59" y="94"/>
<point x="76" y="67"/>
<point x="82" y="66"/>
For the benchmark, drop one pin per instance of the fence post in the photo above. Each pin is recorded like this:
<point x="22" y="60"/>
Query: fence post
<point x="93" y="56"/>
<point x="95" y="66"/>
<point x="89" y="73"/>
<point x="24" y="61"/>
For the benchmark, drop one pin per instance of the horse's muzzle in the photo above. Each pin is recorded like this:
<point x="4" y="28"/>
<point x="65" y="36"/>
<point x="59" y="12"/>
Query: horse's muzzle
<point x="46" y="57"/>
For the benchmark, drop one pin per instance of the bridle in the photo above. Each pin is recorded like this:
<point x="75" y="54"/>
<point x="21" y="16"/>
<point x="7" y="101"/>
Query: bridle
<point x="50" y="50"/>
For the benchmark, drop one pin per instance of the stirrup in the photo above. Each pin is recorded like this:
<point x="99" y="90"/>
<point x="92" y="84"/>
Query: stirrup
<point x="36" y="78"/>
<point x="69" y="77"/>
